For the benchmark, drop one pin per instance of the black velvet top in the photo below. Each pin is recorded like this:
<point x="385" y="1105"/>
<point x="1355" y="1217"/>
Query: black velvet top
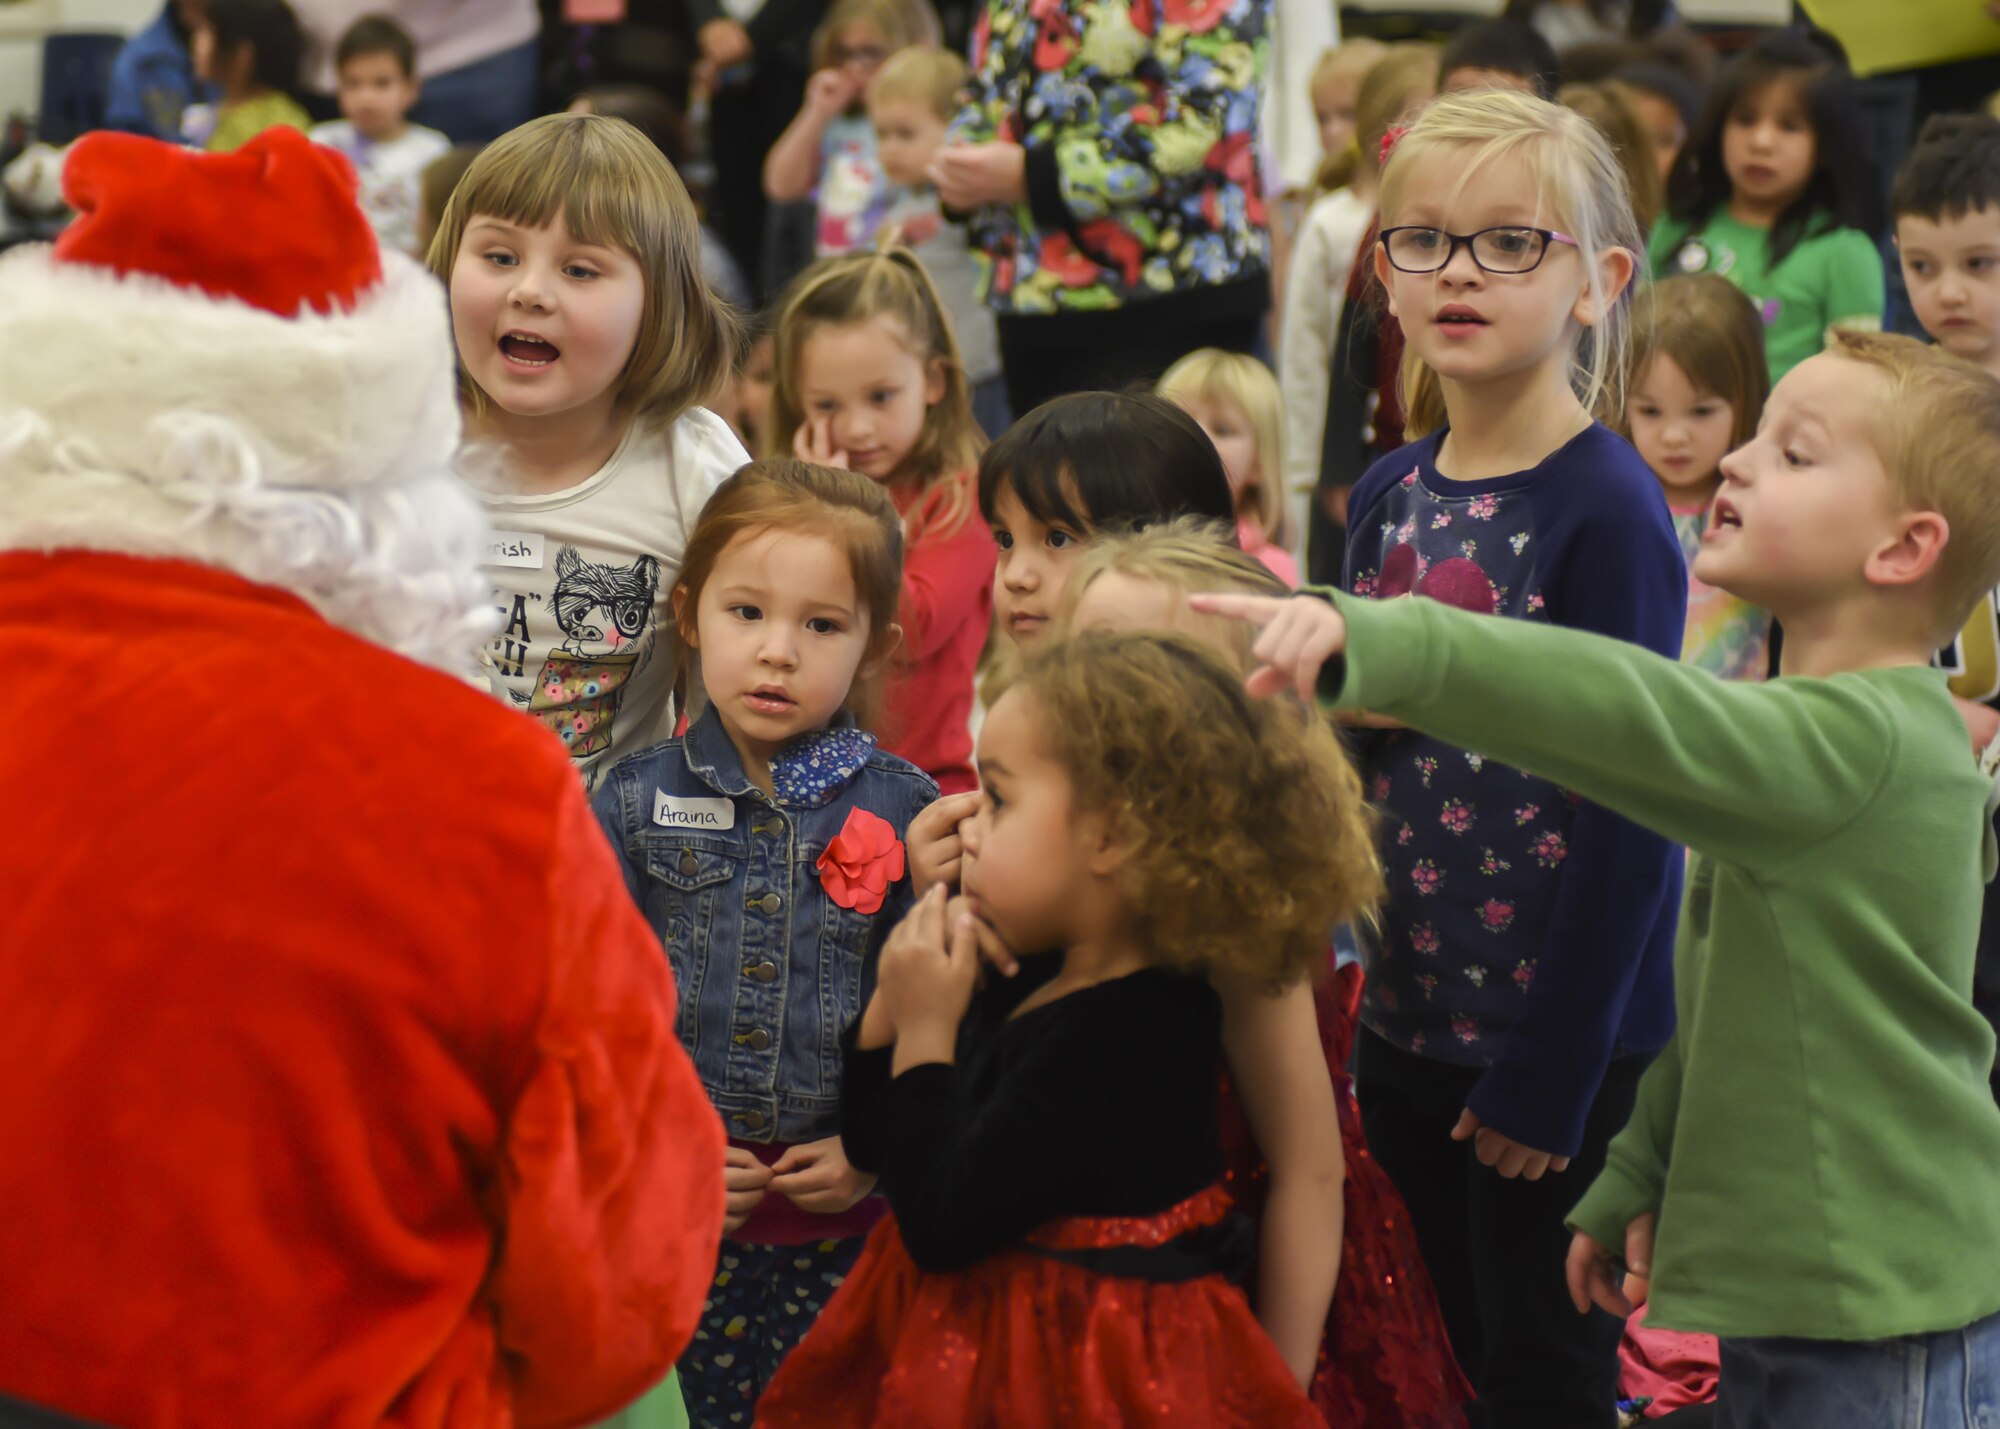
<point x="1102" y="1103"/>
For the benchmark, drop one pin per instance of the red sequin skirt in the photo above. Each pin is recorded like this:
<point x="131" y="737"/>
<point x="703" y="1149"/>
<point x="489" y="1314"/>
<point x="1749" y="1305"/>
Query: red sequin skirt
<point x="1385" y="1362"/>
<point x="1027" y="1340"/>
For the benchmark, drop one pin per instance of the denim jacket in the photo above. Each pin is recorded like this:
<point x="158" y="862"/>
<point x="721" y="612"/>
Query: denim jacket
<point x="770" y="969"/>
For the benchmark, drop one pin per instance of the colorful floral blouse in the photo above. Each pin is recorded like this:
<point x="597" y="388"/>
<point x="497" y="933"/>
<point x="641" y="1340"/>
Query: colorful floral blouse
<point x="1140" y="121"/>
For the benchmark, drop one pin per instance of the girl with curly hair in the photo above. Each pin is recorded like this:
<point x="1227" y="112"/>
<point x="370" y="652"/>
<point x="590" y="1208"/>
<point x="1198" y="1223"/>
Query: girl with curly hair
<point x="1061" y="1250"/>
<point x="1340" y="1284"/>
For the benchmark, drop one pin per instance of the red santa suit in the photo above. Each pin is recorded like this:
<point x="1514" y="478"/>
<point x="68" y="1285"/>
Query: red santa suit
<point x="340" y="1079"/>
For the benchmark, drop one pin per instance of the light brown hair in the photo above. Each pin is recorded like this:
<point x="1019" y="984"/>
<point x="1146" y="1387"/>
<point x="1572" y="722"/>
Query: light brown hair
<point x="1402" y="79"/>
<point x="931" y="77"/>
<point x="899" y="23"/>
<point x="1937" y="434"/>
<point x="846" y="508"/>
<point x="1715" y="335"/>
<point x="1609" y="105"/>
<point x="858" y="287"/>
<point x="1185" y="556"/>
<point x="609" y="185"/>
<point x="1250" y="839"/>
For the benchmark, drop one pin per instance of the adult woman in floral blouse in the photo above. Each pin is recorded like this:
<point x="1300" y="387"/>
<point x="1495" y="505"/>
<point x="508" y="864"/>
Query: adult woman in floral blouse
<point x="1107" y="160"/>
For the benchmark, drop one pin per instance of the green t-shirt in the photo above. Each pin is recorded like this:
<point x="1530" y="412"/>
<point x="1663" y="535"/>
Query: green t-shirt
<point x="238" y="126"/>
<point x="1818" y="1138"/>
<point x="1832" y="278"/>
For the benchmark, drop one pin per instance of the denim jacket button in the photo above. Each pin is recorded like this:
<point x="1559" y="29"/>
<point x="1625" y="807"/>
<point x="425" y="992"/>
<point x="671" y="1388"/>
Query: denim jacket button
<point x="753" y="1120"/>
<point x="690" y="865"/>
<point x="763" y="972"/>
<point x="769" y="903"/>
<point x="768" y="826"/>
<point x="758" y="1040"/>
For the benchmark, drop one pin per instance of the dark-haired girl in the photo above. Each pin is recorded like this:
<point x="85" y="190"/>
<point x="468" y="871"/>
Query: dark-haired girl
<point x="1775" y="191"/>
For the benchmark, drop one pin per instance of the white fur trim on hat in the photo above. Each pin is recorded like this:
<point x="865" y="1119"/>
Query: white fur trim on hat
<point x="312" y="453"/>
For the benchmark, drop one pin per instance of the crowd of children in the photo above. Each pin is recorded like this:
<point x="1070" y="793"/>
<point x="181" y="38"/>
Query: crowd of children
<point x="1584" y="1007"/>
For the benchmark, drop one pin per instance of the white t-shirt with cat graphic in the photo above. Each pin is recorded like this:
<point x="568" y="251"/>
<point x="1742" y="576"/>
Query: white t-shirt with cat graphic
<point x="584" y="579"/>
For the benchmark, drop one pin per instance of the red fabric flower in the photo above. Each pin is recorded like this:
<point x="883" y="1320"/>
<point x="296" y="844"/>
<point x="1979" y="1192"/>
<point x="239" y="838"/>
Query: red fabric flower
<point x="864" y="858"/>
<point x="1390" y="136"/>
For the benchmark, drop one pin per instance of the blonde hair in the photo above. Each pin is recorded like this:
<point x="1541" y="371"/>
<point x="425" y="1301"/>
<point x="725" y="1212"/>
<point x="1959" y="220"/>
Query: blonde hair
<point x="1250" y="840"/>
<point x="1209" y="374"/>
<point x="609" y="185"/>
<point x="931" y="77"/>
<point x="1580" y="189"/>
<point x="1608" y="104"/>
<point x="855" y="288"/>
<point x="1713" y="332"/>
<point x="1404" y="76"/>
<point x="1185" y="556"/>
<point x="900" y="23"/>
<point x="1937" y="434"/>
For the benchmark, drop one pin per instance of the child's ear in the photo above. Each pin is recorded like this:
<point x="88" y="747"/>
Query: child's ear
<point x="1616" y="267"/>
<point x="935" y="380"/>
<point x="882" y="649"/>
<point x="1913" y="554"/>
<point x="1111" y="836"/>
<point x="684" y="618"/>
<point x="1382" y="272"/>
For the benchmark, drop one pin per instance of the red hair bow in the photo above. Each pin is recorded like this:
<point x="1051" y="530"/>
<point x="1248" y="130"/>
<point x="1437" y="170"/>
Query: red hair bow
<point x="1389" y="140"/>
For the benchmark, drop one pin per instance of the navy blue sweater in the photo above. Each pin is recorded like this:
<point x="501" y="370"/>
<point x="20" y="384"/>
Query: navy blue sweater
<point x="1526" y="932"/>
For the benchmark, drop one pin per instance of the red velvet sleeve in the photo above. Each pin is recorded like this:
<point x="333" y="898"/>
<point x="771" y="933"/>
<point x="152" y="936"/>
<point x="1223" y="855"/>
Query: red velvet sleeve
<point x="610" y="1194"/>
<point x="943" y="580"/>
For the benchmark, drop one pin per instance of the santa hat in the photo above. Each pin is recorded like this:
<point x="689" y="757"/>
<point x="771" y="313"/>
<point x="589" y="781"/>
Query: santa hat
<point x="215" y="361"/>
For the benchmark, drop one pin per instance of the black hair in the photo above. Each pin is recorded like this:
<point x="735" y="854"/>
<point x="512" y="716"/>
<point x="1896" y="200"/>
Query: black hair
<point x="1953" y="168"/>
<point x="1509" y="46"/>
<point x="1842" y="190"/>
<point x="1665" y="82"/>
<point x="1127" y="460"/>
<point x="270" y="29"/>
<point x="377" y="35"/>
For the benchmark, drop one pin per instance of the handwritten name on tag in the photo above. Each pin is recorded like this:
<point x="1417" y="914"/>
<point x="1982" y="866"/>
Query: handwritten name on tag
<point x="515" y="548"/>
<point x="673" y="813"/>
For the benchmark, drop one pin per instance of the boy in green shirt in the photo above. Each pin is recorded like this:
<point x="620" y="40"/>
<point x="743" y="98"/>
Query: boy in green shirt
<point x="1817" y="1147"/>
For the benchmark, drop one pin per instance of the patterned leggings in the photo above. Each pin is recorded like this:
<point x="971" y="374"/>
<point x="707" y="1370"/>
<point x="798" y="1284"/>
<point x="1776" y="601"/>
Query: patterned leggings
<point x="764" y="1299"/>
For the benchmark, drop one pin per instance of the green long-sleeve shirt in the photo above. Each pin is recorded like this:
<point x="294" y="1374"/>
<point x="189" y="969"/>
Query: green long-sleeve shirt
<point x="1818" y="1139"/>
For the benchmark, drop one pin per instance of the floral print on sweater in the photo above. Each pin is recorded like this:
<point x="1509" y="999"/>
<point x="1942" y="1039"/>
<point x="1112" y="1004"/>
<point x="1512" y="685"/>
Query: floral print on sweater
<point x="1139" y="118"/>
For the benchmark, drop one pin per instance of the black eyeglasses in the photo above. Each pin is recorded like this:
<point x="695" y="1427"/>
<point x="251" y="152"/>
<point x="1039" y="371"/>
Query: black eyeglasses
<point x="1495" y="250"/>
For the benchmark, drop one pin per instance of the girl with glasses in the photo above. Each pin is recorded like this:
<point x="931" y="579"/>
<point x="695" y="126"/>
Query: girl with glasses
<point x="1520" y="977"/>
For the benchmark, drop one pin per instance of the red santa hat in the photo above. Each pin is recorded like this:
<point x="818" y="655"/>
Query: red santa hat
<point x="215" y="361"/>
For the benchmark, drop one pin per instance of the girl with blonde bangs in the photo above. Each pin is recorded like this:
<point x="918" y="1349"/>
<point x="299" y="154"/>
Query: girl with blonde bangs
<point x="867" y="376"/>
<point x="1235" y="400"/>
<point x="587" y="341"/>
<point x="1521" y="975"/>
<point x="1332" y="1230"/>
<point x="1049" y="1143"/>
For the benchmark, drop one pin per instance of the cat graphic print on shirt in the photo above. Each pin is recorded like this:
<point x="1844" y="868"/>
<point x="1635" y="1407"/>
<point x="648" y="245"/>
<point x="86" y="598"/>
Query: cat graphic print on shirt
<point x="584" y="581"/>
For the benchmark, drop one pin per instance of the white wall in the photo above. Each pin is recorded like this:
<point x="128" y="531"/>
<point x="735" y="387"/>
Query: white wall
<point x="24" y="22"/>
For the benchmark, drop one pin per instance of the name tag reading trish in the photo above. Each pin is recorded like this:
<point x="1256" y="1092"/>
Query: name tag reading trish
<point x="672" y="813"/>
<point x="522" y="549"/>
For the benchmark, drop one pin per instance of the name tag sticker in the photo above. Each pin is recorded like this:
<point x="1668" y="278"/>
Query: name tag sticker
<point x="515" y="548"/>
<point x="672" y="813"/>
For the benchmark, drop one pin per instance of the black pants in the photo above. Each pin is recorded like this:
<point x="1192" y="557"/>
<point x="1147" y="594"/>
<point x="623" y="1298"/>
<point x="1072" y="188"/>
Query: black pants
<point x="1496" y="1248"/>
<point x="1108" y="356"/>
<point x="744" y="122"/>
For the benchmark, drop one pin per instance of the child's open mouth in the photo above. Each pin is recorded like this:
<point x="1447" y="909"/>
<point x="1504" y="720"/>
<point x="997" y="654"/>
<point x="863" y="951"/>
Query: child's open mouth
<point x="770" y="700"/>
<point x="1723" y="517"/>
<point x="1459" y="320"/>
<point x="527" y="350"/>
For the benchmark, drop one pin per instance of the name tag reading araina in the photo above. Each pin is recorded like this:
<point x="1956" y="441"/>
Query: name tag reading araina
<point x="673" y="813"/>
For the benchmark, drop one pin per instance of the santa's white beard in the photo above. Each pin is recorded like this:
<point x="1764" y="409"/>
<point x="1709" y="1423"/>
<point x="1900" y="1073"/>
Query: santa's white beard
<point x="311" y="453"/>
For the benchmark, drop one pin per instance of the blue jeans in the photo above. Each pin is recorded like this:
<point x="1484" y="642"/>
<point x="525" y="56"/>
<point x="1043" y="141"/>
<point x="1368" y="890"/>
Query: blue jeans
<point x="477" y="103"/>
<point x="1949" y="1380"/>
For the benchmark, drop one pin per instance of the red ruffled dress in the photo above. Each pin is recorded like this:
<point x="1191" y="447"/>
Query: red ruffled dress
<point x="991" y="1298"/>
<point x="1386" y="1360"/>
